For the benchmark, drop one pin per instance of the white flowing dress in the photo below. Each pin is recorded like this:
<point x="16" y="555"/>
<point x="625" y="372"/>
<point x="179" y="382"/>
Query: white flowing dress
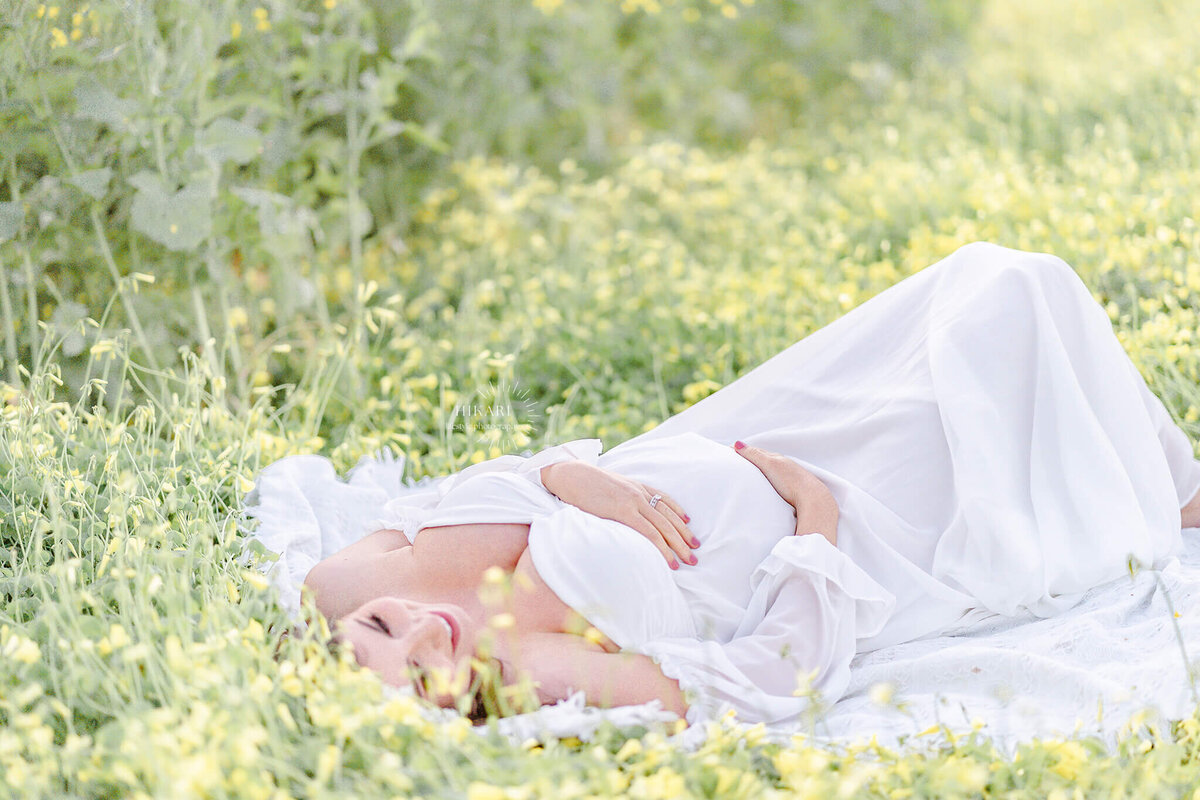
<point x="991" y="447"/>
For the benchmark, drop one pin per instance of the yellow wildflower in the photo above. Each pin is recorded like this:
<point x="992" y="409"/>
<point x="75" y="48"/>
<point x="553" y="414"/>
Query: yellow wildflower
<point x="22" y="650"/>
<point x="117" y="636"/>
<point x="631" y="748"/>
<point x="1070" y="757"/>
<point x="484" y="791"/>
<point x="262" y="19"/>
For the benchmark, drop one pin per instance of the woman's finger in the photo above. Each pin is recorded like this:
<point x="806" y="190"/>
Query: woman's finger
<point x="661" y="517"/>
<point x="643" y="526"/>
<point x="775" y="468"/>
<point x="678" y="517"/>
<point x="674" y="532"/>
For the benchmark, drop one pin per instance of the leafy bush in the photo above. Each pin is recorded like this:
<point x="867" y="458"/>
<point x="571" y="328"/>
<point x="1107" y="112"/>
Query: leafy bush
<point x="210" y="151"/>
<point x="240" y="156"/>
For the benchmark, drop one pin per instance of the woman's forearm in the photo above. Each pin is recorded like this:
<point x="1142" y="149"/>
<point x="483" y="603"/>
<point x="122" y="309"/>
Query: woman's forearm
<point x="816" y="509"/>
<point x="632" y="679"/>
<point x="817" y="512"/>
<point x="609" y="495"/>
<point x="546" y="475"/>
<point x="564" y="664"/>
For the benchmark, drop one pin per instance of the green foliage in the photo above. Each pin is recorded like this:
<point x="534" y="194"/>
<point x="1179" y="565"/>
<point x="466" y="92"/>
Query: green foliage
<point x="182" y="142"/>
<point x="333" y="226"/>
<point x="223" y="149"/>
<point x="589" y="77"/>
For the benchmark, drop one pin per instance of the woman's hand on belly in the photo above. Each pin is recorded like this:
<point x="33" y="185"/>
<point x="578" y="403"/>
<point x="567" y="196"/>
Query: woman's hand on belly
<point x="611" y="496"/>
<point x="816" y="508"/>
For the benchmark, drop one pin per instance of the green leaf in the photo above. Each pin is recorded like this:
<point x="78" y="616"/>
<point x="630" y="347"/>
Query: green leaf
<point x="420" y="136"/>
<point x="277" y="214"/>
<point x="417" y="43"/>
<point x="93" y="101"/>
<point x="229" y="140"/>
<point x="92" y="182"/>
<point x="11" y="217"/>
<point x="177" y="220"/>
<point x="209" y="108"/>
<point x="259" y="549"/>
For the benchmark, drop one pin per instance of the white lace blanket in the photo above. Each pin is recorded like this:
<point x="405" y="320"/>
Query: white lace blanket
<point x="1126" y="648"/>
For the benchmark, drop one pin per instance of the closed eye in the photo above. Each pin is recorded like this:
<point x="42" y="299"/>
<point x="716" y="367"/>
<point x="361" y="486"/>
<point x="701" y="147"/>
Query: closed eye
<point x="380" y="624"/>
<point x="374" y="623"/>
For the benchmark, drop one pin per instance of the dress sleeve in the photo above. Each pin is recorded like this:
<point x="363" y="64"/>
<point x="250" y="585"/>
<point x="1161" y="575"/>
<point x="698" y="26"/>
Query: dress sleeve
<point x="528" y="466"/>
<point x="809" y="605"/>
<point x="411" y="510"/>
<point x="586" y="450"/>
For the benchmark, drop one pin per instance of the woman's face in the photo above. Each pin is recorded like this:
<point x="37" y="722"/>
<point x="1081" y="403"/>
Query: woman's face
<point x="398" y="637"/>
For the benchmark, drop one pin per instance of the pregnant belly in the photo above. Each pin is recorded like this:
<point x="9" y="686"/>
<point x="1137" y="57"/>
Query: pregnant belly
<point x="733" y="507"/>
<point x="734" y="511"/>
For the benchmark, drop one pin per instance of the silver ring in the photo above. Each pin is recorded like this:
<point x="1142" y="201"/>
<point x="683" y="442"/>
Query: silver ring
<point x="654" y="500"/>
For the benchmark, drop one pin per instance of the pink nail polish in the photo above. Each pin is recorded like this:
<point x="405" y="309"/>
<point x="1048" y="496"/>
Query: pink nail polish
<point x="686" y="518"/>
<point x="739" y="444"/>
<point x="695" y="561"/>
<point x="695" y="542"/>
<point x="674" y="564"/>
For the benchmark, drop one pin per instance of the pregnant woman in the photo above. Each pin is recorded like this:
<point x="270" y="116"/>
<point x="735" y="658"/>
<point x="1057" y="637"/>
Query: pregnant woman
<point x="971" y="441"/>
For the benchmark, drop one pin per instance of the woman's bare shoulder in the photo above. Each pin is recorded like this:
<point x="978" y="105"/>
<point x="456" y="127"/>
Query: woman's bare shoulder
<point x="466" y="551"/>
<point x="442" y="561"/>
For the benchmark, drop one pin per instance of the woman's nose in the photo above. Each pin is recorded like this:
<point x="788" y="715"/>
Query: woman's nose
<point x="421" y="630"/>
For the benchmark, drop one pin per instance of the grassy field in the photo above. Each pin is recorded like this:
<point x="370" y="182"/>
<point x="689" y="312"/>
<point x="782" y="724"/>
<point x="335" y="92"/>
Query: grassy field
<point x="191" y="303"/>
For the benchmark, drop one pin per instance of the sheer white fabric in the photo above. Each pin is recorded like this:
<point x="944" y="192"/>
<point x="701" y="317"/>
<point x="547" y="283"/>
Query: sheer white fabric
<point x="991" y="447"/>
<point x="984" y="433"/>
<point x="1123" y="657"/>
<point x="761" y="607"/>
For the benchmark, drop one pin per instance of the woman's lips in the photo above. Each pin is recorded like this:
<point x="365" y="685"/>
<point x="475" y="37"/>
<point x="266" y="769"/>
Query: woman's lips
<point x="454" y="628"/>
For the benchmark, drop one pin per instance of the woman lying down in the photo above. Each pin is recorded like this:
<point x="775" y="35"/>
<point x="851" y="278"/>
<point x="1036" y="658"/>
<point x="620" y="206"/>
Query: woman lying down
<point x="972" y="438"/>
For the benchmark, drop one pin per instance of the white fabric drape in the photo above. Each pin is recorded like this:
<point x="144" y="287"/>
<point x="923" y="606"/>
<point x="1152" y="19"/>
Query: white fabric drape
<point x="984" y="433"/>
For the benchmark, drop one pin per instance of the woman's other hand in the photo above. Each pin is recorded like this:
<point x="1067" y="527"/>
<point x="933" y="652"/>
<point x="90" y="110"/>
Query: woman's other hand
<point x="816" y="510"/>
<point x="611" y="496"/>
